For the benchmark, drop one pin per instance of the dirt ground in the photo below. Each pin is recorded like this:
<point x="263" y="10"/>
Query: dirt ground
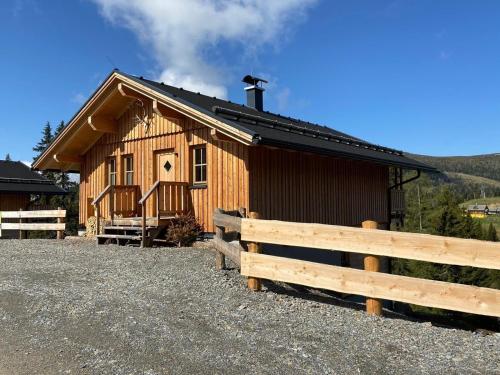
<point x="68" y="307"/>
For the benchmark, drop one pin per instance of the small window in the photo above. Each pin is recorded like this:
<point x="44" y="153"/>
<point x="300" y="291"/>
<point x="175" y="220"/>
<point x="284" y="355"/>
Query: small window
<point x="200" y="165"/>
<point x="128" y="170"/>
<point x="112" y="171"/>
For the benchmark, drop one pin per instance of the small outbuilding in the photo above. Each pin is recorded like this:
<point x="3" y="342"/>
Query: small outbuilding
<point x="19" y="184"/>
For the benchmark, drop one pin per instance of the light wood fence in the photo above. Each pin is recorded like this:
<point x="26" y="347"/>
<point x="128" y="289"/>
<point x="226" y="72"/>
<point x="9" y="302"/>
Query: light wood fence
<point x="372" y="242"/>
<point x="17" y="220"/>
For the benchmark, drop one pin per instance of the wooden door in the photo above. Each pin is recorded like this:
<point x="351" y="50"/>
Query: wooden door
<point x="165" y="166"/>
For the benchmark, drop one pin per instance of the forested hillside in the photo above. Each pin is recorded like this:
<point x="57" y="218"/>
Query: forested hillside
<point x="470" y="177"/>
<point x="487" y="166"/>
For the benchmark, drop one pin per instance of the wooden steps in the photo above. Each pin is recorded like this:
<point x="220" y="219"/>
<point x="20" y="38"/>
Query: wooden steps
<point x="128" y="231"/>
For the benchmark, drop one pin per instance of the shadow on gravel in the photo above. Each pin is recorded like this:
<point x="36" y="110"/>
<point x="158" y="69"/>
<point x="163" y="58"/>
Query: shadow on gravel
<point x="340" y="300"/>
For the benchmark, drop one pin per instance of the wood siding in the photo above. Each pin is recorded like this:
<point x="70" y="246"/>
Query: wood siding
<point x="294" y="186"/>
<point x="14" y="201"/>
<point x="227" y="171"/>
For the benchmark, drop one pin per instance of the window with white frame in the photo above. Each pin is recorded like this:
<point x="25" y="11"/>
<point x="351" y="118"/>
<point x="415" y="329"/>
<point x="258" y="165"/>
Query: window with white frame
<point x="128" y="170"/>
<point x="200" y="165"/>
<point x="112" y="171"/>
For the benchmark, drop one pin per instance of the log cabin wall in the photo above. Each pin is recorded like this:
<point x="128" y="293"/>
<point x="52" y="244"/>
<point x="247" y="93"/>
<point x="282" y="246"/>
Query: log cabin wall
<point x="14" y="201"/>
<point x="227" y="172"/>
<point x="294" y="186"/>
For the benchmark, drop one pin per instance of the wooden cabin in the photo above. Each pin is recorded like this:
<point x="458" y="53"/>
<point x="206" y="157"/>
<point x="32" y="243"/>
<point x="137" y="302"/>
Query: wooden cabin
<point x="478" y="211"/>
<point x="19" y="184"/>
<point x="144" y="147"/>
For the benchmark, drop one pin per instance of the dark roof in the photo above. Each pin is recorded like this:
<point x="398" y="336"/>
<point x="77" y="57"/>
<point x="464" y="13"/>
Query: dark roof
<point x="17" y="177"/>
<point x="275" y="130"/>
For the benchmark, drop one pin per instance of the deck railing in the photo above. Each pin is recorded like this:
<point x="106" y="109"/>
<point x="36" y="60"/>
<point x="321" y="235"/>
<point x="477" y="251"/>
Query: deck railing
<point x="122" y="200"/>
<point x="171" y="199"/>
<point x="368" y="282"/>
<point x="398" y="203"/>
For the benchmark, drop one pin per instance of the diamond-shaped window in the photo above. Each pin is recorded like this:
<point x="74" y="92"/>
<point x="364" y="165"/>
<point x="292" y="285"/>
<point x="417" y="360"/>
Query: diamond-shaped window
<point x="167" y="166"/>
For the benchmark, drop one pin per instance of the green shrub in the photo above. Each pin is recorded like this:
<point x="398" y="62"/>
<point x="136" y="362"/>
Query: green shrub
<point x="183" y="230"/>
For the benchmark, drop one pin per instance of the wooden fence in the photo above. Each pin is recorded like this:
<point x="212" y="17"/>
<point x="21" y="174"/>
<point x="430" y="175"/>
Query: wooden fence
<point x="368" y="282"/>
<point x="21" y="217"/>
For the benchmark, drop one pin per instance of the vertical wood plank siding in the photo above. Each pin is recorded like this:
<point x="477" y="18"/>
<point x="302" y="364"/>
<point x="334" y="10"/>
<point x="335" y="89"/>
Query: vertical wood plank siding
<point x="227" y="171"/>
<point x="294" y="186"/>
<point x="14" y="201"/>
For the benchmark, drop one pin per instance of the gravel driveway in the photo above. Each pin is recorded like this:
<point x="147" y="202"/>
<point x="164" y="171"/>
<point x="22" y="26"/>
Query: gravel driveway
<point x="70" y="307"/>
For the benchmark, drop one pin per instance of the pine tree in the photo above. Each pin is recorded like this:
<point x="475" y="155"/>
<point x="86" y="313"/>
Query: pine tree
<point x="61" y="178"/>
<point x="59" y="128"/>
<point x="491" y="234"/>
<point x="7" y="157"/>
<point x="42" y="145"/>
<point x="47" y="138"/>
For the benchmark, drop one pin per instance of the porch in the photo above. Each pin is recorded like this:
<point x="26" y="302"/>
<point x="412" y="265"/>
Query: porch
<point x="132" y="217"/>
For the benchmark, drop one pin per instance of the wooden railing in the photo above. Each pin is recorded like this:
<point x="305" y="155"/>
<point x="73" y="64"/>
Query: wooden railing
<point x="398" y="203"/>
<point x="171" y="199"/>
<point x="373" y="243"/>
<point x="22" y="226"/>
<point x="122" y="201"/>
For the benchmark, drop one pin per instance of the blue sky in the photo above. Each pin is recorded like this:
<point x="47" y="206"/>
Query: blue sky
<point x="422" y="76"/>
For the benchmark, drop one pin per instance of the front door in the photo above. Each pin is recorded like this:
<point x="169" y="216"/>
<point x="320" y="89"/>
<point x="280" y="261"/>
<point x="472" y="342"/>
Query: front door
<point x="165" y="166"/>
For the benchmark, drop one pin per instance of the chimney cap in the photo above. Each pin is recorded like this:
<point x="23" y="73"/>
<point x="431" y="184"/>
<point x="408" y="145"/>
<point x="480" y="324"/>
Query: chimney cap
<point x="251" y="80"/>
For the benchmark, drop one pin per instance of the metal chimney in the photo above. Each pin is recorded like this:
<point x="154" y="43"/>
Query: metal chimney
<point x="255" y="97"/>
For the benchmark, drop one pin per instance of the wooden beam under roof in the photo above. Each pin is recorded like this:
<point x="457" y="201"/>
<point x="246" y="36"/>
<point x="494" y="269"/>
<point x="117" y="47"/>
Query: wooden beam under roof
<point x="103" y="124"/>
<point x="164" y="111"/>
<point x="64" y="158"/>
<point x="220" y="137"/>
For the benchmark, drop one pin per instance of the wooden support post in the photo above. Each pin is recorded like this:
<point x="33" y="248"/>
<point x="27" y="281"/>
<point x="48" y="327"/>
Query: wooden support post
<point x="22" y="233"/>
<point x="97" y="219"/>
<point x="60" y="233"/>
<point x="254" y="247"/>
<point x="112" y="203"/>
<point x="220" y="259"/>
<point x="144" y="218"/>
<point x="372" y="263"/>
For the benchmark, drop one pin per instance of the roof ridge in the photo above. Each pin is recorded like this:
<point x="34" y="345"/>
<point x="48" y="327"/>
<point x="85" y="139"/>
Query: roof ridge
<point x="236" y="103"/>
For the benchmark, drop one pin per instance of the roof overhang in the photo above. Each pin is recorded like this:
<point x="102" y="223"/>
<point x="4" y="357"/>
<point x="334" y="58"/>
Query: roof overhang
<point x="100" y="114"/>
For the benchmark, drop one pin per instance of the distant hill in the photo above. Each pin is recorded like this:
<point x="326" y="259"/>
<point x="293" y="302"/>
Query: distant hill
<point x="487" y="166"/>
<point x="470" y="176"/>
<point x="491" y="200"/>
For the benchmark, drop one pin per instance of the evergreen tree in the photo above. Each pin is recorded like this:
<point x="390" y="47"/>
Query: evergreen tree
<point x="47" y="138"/>
<point x="59" y="128"/>
<point x="491" y="234"/>
<point x="42" y="145"/>
<point x="7" y="157"/>
<point x="61" y="178"/>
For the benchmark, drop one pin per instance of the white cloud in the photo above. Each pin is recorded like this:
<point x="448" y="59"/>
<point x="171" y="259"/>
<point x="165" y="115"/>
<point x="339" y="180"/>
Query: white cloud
<point x="180" y="33"/>
<point x="79" y="98"/>
<point x="282" y="99"/>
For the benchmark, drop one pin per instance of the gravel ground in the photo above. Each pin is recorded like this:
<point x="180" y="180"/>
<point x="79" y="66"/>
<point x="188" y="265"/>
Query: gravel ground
<point x="70" y="307"/>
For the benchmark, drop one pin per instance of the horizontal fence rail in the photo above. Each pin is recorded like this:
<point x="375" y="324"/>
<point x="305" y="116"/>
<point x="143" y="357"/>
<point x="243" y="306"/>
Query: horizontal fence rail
<point x="436" y="249"/>
<point x="32" y="214"/>
<point x="23" y="226"/>
<point x="443" y="295"/>
<point x="416" y="246"/>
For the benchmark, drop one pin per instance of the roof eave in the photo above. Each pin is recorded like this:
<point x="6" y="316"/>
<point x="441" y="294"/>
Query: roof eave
<point x="322" y="151"/>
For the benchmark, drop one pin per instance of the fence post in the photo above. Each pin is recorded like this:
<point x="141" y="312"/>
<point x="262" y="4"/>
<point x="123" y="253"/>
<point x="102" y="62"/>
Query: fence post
<point x="60" y="233"/>
<point x="254" y="247"/>
<point x="22" y="233"/>
<point x="220" y="259"/>
<point x="372" y="263"/>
